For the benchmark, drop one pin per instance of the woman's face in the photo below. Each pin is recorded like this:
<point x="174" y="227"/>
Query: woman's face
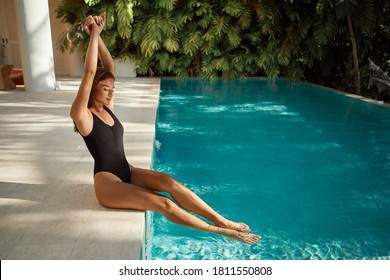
<point x="104" y="91"/>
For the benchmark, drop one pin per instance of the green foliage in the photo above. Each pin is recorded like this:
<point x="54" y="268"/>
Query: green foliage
<point x="325" y="29"/>
<point x="124" y="10"/>
<point x="91" y="2"/>
<point x="165" y="4"/>
<point x="118" y="28"/>
<point x="298" y="39"/>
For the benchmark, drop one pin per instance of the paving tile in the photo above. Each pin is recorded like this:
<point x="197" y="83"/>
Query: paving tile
<point x="48" y="208"/>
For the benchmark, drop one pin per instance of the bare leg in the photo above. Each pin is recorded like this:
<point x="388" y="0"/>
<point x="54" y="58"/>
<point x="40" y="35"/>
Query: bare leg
<point x="113" y="193"/>
<point x="157" y="181"/>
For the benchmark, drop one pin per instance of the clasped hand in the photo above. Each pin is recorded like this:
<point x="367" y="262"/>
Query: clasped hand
<point x="95" y="23"/>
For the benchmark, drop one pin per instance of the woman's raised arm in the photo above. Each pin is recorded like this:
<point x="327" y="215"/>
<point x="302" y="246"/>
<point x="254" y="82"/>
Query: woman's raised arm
<point x="106" y="58"/>
<point x="79" y="110"/>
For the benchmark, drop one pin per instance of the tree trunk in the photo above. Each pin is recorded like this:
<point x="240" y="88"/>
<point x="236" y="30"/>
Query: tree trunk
<point x="354" y="55"/>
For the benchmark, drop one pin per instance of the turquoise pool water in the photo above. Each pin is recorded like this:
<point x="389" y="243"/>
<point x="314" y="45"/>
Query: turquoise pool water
<point x="307" y="168"/>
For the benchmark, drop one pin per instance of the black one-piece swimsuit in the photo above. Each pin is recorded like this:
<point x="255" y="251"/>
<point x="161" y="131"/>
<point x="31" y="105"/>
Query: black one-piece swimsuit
<point x="105" y="143"/>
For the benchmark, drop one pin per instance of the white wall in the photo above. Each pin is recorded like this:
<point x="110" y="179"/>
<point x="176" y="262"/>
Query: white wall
<point x="63" y="63"/>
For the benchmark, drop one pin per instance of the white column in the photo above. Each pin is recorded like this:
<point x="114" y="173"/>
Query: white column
<point x="36" y="45"/>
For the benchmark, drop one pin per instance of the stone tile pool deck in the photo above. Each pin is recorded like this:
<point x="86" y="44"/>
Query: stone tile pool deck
<point x="48" y="208"/>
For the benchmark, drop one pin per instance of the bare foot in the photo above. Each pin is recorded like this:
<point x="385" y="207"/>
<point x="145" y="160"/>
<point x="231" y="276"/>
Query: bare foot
<point x="244" y="237"/>
<point x="248" y="238"/>
<point x="242" y="227"/>
<point x="235" y="226"/>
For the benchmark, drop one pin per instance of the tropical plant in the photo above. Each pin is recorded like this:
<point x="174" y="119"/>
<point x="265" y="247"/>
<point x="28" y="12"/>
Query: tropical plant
<point x="339" y="20"/>
<point x="379" y="51"/>
<point x="361" y="22"/>
<point x="323" y="41"/>
<point x="192" y="38"/>
<point x="118" y="28"/>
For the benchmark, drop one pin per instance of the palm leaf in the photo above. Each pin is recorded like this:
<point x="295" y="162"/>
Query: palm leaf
<point x="364" y="16"/>
<point x="168" y="5"/>
<point x="109" y="38"/>
<point x="110" y="11"/>
<point x="191" y="43"/>
<point x="153" y="26"/>
<point x="139" y="32"/>
<point x="124" y="9"/>
<point x="244" y="20"/>
<point x="149" y="46"/>
<point x="209" y="35"/>
<point x="233" y="8"/>
<point x="325" y="29"/>
<point x="181" y="72"/>
<point x="284" y="55"/>
<point x="220" y="24"/>
<point x="163" y="58"/>
<point x="234" y="36"/>
<point x="91" y="2"/>
<point x="208" y="47"/>
<point x="171" y="44"/>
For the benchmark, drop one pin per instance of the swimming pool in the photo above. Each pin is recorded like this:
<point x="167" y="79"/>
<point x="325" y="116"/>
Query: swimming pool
<point x="306" y="167"/>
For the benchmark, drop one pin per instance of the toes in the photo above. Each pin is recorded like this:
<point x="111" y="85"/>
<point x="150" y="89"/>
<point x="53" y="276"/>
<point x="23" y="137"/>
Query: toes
<point x="250" y="238"/>
<point x="253" y="239"/>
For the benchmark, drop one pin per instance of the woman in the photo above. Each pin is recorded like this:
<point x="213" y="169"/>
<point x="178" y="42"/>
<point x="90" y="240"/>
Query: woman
<point x="118" y="184"/>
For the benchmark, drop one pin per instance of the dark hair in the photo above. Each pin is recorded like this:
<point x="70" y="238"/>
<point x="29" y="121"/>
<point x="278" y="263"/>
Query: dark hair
<point x="100" y="75"/>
